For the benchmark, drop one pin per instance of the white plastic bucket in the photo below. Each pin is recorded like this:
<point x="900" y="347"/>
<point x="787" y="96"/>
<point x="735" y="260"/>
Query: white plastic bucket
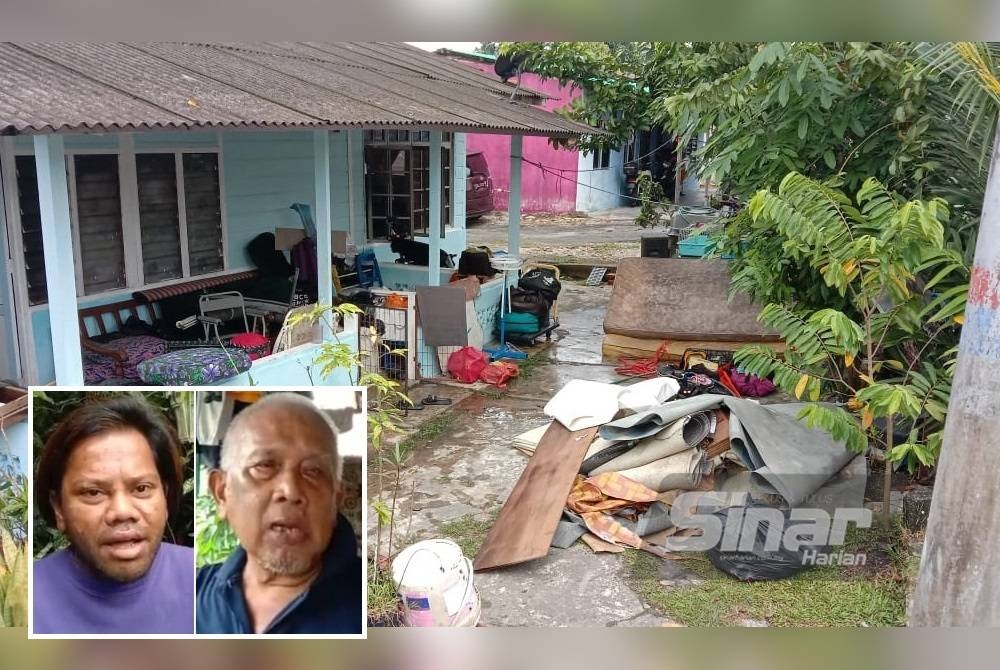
<point x="434" y="582"/>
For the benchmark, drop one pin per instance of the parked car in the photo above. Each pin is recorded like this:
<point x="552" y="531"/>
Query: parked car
<point x="478" y="187"/>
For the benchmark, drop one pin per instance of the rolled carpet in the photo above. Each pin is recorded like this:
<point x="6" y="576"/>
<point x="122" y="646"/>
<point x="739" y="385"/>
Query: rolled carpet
<point x="680" y="471"/>
<point x="675" y="438"/>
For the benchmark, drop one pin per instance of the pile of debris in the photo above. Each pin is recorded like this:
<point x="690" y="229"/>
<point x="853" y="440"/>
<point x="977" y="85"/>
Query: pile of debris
<point x="613" y="466"/>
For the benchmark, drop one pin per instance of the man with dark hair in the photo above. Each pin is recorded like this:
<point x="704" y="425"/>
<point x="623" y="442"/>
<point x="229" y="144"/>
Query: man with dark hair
<point x="107" y="478"/>
<point x="297" y="569"/>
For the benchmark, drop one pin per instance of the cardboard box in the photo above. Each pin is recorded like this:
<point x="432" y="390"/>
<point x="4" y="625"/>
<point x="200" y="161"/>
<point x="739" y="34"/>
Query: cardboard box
<point x="286" y="238"/>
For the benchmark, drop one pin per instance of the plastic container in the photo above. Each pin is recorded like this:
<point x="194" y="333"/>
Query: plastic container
<point x="693" y="216"/>
<point x="434" y="581"/>
<point x="695" y="246"/>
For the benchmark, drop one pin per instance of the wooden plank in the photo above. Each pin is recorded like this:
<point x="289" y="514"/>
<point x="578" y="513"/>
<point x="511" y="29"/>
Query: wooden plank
<point x="528" y="520"/>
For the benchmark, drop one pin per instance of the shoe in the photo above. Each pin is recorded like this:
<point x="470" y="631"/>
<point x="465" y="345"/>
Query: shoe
<point x="435" y="400"/>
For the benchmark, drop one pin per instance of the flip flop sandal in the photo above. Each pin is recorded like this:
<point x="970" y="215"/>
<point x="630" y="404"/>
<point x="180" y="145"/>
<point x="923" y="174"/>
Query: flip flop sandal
<point x="407" y="407"/>
<point x="435" y="400"/>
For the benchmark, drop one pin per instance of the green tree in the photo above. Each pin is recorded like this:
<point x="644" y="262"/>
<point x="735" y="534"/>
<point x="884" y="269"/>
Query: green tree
<point x="890" y="352"/>
<point x="620" y="81"/>
<point x="852" y="110"/>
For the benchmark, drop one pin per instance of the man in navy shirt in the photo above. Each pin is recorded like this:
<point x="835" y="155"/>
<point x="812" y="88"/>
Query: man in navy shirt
<point x="297" y="569"/>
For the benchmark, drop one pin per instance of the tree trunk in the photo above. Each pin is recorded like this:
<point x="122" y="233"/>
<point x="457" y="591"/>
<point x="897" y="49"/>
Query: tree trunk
<point x="959" y="579"/>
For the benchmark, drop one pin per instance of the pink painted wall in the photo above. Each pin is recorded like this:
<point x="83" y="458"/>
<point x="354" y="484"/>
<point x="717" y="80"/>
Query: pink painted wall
<point x="541" y="191"/>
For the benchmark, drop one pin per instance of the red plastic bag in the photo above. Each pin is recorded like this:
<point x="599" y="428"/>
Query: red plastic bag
<point x="466" y="364"/>
<point x="499" y="373"/>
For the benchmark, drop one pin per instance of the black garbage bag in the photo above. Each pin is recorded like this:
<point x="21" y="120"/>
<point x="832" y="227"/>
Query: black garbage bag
<point x="762" y="563"/>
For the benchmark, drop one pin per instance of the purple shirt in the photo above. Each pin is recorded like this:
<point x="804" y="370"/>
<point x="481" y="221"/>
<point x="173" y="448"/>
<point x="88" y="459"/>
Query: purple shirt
<point x="69" y="598"/>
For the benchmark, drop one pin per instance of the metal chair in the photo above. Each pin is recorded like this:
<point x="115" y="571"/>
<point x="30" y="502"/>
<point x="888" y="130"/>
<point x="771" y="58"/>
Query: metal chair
<point x="217" y="308"/>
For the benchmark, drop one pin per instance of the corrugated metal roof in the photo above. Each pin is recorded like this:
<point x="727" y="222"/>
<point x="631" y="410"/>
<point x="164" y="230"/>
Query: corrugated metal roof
<point x="117" y="86"/>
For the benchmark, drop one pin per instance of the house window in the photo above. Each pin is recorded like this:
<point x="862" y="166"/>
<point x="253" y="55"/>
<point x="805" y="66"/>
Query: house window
<point x="602" y="159"/>
<point x="397" y="171"/>
<point x="99" y="222"/>
<point x="181" y="228"/>
<point x="179" y="214"/>
<point x="31" y="229"/>
<point x="203" y="211"/>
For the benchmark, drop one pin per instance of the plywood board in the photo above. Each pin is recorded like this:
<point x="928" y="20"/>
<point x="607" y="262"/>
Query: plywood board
<point x="680" y="299"/>
<point x="441" y="310"/>
<point x="523" y="531"/>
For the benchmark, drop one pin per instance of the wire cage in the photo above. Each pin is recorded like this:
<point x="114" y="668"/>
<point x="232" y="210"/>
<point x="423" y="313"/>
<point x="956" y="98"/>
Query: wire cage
<point x="382" y="335"/>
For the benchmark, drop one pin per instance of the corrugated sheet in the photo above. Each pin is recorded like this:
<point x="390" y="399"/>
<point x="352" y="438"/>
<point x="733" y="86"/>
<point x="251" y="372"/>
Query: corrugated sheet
<point x="116" y="86"/>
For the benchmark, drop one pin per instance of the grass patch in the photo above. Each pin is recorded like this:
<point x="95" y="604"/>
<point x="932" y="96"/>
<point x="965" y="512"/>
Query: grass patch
<point x="381" y="594"/>
<point x="469" y="532"/>
<point x="874" y="595"/>
<point x="529" y="366"/>
<point x="429" y="430"/>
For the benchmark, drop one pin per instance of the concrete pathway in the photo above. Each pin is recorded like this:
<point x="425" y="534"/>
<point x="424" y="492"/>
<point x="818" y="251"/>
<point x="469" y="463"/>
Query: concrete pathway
<point x="470" y="468"/>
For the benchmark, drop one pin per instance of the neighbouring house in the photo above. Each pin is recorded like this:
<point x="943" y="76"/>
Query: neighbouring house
<point x="135" y="175"/>
<point x="552" y="179"/>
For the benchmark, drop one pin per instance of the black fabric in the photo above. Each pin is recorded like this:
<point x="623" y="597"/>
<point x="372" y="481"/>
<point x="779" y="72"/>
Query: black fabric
<point x="541" y="280"/>
<point x="268" y="260"/>
<point x="136" y="326"/>
<point x="604" y="456"/>
<point x="530" y="302"/>
<point x="475" y="262"/>
<point x="418" y="253"/>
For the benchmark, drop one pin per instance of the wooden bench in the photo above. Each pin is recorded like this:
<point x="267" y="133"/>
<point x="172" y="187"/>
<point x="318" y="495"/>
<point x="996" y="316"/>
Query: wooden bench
<point x="105" y="320"/>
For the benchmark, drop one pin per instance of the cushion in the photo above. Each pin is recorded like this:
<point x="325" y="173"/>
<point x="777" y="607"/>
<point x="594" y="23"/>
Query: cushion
<point x="255" y="344"/>
<point x="137" y="348"/>
<point x="194" y="367"/>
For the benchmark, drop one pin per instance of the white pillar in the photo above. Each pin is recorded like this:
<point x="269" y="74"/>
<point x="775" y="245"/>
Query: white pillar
<point x="434" y="214"/>
<point x="57" y="243"/>
<point x="321" y="167"/>
<point x="514" y="202"/>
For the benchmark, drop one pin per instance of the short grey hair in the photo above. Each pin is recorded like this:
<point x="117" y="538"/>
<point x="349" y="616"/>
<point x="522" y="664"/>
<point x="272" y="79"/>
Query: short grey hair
<point x="278" y="401"/>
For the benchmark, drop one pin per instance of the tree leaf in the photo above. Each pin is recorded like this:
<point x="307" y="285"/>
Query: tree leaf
<point x="801" y="386"/>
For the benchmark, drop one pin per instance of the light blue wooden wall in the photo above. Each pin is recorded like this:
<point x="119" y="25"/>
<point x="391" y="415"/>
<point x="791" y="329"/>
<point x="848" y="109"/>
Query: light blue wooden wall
<point x="8" y="334"/>
<point x="293" y="369"/>
<point x="263" y="173"/>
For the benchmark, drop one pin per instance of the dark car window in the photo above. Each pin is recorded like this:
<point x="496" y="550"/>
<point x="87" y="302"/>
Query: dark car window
<point x="477" y="164"/>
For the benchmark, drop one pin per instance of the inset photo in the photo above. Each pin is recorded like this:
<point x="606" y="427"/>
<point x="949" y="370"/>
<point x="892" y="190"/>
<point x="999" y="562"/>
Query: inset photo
<point x="112" y="531"/>
<point x="279" y="505"/>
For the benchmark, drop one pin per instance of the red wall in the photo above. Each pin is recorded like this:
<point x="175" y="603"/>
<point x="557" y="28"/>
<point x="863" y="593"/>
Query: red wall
<point x="541" y="191"/>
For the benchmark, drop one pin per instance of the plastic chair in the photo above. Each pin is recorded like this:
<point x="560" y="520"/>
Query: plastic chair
<point x="212" y="307"/>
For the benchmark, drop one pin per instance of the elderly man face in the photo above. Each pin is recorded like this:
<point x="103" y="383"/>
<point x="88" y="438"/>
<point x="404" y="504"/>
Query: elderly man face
<point x="112" y="505"/>
<point x="278" y="487"/>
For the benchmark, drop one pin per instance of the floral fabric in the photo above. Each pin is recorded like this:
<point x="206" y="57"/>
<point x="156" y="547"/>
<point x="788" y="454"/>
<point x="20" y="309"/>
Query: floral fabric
<point x="194" y="367"/>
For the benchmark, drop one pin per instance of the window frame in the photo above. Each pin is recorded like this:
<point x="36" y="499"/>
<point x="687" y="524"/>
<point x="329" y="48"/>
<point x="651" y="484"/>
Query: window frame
<point x="129" y="201"/>
<point x="602" y="159"/>
<point x="394" y="138"/>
